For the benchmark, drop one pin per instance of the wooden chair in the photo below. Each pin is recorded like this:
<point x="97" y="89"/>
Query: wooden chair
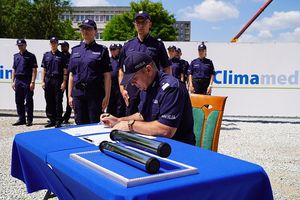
<point x="207" y="113"/>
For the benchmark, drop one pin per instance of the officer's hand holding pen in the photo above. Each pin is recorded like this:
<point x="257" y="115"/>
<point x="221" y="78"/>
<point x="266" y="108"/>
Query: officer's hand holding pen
<point x="108" y="119"/>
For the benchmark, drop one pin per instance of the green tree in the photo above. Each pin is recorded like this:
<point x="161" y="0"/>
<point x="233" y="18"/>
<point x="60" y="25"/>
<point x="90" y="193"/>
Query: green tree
<point x="35" y="19"/>
<point x="121" y="27"/>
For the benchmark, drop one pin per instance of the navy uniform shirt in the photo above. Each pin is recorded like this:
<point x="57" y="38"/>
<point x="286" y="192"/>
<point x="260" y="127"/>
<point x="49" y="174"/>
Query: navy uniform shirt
<point x="167" y="100"/>
<point x="54" y="64"/>
<point x="115" y="70"/>
<point x="201" y="68"/>
<point x="24" y="63"/>
<point x="153" y="47"/>
<point x="67" y="56"/>
<point x="185" y="65"/>
<point x="177" y="67"/>
<point x="88" y="63"/>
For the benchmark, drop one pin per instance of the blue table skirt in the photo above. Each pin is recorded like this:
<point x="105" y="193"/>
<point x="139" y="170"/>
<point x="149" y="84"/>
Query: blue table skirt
<point x="29" y="156"/>
<point x="219" y="177"/>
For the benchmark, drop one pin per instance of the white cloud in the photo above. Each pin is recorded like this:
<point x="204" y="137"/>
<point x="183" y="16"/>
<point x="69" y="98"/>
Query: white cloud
<point x="265" y="34"/>
<point x="280" y="27"/>
<point x="211" y="10"/>
<point x="290" y="36"/>
<point x="90" y="3"/>
<point x="278" y="21"/>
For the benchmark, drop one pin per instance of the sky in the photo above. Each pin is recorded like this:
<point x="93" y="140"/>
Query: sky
<point x="221" y="20"/>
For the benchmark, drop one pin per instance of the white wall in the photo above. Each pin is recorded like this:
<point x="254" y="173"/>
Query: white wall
<point x="272" y="69"/>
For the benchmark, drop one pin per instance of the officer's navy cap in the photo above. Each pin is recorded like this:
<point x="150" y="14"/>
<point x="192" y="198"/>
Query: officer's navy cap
<point x="88" y="23"/>
<point x="64" y="44"/>
<point x="119" y="46"/>
<point x="54" y="39"/>
<point x="201" y="46"/>
<point x="21" y="41"/>
<point x="171" y="47"/>
<point x="115" y="46"/>
<point x="134" y="62"/>
<point x="178" y="50"/>
<point x="142" y="14"/>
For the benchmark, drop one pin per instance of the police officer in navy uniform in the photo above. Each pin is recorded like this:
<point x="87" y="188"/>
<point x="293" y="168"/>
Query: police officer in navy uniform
<point x="201" y="73"/>
<point x="177" y="66"/>
<point x="144" y="42"/>
<point x="54" y="80"/>
<point x="23" y="82"/>
<point x="165" y="108"/>
<point x="89" y="76"/>
<point x="116" y="104"/>
<point x="65" y="50"/>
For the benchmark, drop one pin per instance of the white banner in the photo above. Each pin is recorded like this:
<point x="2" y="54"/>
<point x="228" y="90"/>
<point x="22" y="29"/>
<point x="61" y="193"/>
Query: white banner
<point x="259" y="79"/>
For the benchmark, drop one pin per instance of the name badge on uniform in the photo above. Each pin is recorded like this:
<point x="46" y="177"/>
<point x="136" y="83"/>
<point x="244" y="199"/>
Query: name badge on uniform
<point x="151" y="48"/>
<point x="96" y="53"/>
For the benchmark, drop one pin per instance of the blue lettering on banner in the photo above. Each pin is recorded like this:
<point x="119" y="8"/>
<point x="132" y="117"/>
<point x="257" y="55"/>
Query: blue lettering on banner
<point x="228" y="77"/>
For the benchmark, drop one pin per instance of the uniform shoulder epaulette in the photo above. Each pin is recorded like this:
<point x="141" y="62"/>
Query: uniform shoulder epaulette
<point x="168" y="82"/>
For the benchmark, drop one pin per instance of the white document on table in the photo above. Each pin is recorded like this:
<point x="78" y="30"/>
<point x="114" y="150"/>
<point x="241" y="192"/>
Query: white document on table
<point x="96" y="139"/>
<point x="86" y="130"/>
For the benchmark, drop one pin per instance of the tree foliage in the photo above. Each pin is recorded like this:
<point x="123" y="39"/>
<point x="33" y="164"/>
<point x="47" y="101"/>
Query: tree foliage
<point x="121" y="26"/>
<point x="35" y="19"/>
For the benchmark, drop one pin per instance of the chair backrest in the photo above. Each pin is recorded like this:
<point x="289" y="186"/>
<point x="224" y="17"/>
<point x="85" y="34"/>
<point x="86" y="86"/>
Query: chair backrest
<point x="208" y="113"/>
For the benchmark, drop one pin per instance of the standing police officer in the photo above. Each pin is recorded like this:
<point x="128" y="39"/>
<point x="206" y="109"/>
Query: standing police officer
<point x="177" y="66"/>
<point x="201" y="73"/>
<point x="23" y="82"/>
<point x="165" y="108"/>
<point x="54" y="78"/>
<point x="65" y="50"/>
<point x="116" y="104"/>
<point x="142" y="43"/>
<point x="90" y="76"/>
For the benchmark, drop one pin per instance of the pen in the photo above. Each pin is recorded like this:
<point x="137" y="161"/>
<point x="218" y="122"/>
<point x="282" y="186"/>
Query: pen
<point x="88" y="139"/>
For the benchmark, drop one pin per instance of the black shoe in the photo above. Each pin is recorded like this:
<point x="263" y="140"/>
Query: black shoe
<point x="50" y="124"/>
<point x="58" y="125"/>
<point x="29" y="124"/>
<point x="17" y="123"/>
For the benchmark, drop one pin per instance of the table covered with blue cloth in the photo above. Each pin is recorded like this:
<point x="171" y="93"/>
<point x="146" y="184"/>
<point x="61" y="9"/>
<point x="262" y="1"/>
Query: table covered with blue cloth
<point x="41" y="159"/>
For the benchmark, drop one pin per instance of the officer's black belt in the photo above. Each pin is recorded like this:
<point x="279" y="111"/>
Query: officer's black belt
<point x="54" y="75"/>
<point x="22" y="76"/>
<point x="201" y="79"/>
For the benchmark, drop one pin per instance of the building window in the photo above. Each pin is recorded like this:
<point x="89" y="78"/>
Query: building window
<point x="97" y="18"/>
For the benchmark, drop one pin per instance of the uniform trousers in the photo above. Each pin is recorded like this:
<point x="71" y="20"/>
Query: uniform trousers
<point x="54" y="98"/>
<point x="87" y="109"/>
<point x="23" y="93"/>
<point x="200" y="85"/>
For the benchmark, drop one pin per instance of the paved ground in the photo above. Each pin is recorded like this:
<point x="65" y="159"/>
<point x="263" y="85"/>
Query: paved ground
<point x="273" y="143"/>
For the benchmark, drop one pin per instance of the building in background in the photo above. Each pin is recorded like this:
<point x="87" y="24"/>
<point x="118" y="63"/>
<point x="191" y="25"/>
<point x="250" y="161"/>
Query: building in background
<point x="102" y="14"/>
<point x="183" y="29"/>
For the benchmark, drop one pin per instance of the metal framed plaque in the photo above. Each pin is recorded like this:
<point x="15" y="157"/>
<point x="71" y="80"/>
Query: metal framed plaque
<point x="130" y="176"/>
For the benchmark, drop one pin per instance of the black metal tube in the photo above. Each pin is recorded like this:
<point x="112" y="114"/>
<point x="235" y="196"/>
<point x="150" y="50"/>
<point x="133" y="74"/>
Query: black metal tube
<point x="153" y="146"/>
<point x="137" y="159"/>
